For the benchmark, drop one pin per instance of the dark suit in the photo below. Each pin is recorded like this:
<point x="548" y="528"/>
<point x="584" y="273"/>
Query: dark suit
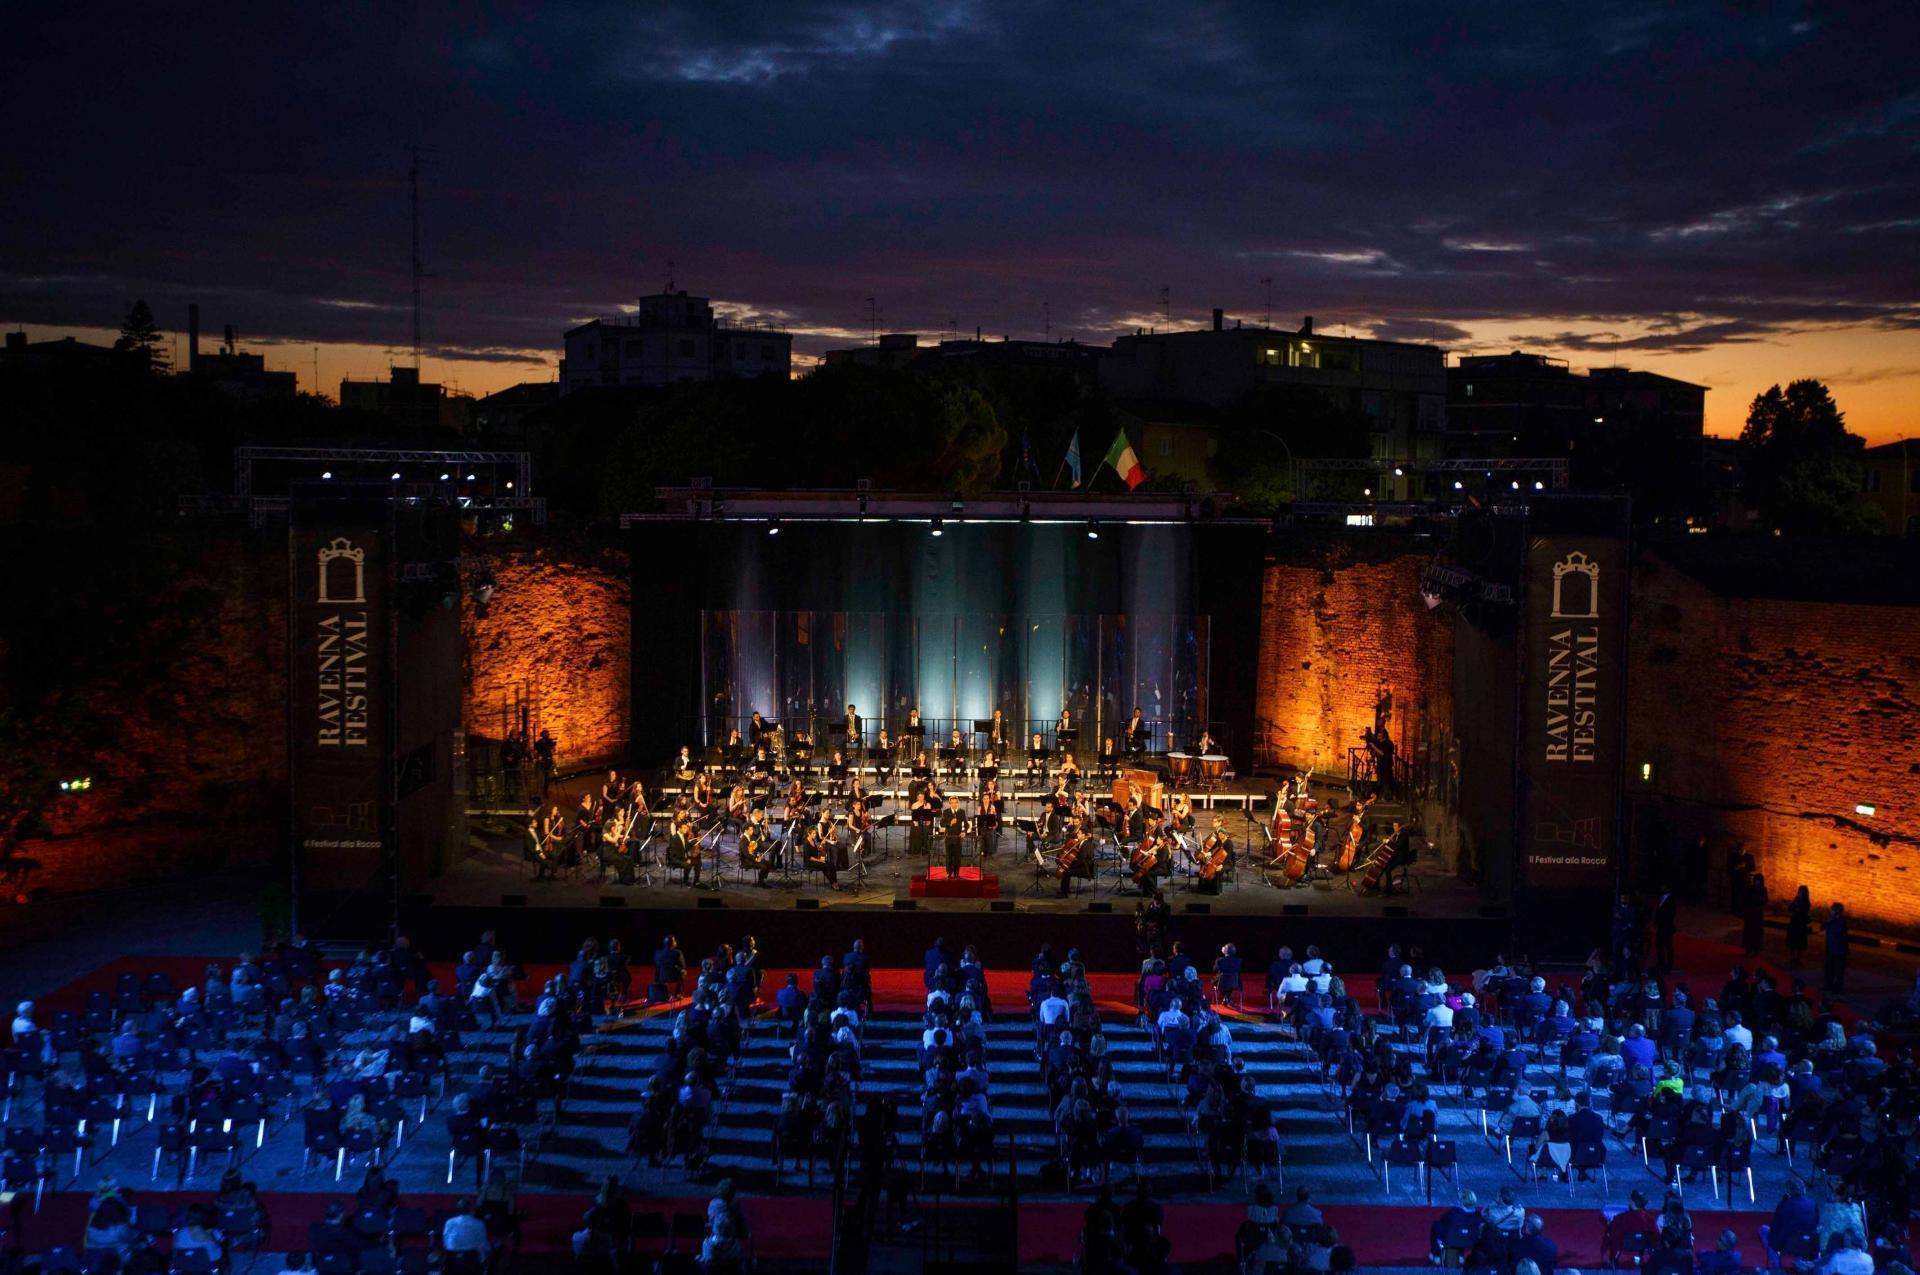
<point x="1586" y="1125"/>
<point x="938" y="958"/>
<point x="669" y="967"/>
<point x="953" y="830"/>
<point x="1542" y="1250"/>
<point x="1665" y="920"/>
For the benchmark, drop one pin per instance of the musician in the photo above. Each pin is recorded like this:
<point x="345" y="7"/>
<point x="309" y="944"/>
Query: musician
<point x="733" y="749"/>
<point x="953" y="830"/>
<point x="988" y="818"/>
<point x="1109" y="759"/>
<point x="1216" y="852"/>
<point x="612" y="793"/>
<point x="1152" y="859"/>
<point x="859" y="823"/>
<point x="683" y="851"/>
<point x="703" y="795"/>
<point x="550" y="834"/>
<point x="998" y="736"/>
<point x="612" y="851"/>
<point x="1065" y="722"/>
<point x="913" y="728"/>
<point x="1206" y="745"/>
<point x="1136" y="817"/>
<point x="836" y="774"/>
<point x="761" y="770"/>
<point x="883" y="753"/>
<point x="1059" y="810"/>
<point x="856" y="729"/>
<point x="923" y="802"/>
<point x="758" y="850"/>
<point x="737" y="804"/>
<point x="586" y="828"/>
<point x="956" y="752"/>
<point x="1036" y="753"/>
<point x="758" y="728"/>
<point x="857" y="793"/>
<point x="1076" y="859"/>
<point x="823" y="848"/>
<point x="1133" y="735"/>
<point x="1182" y="814"/>
<point x="683" y="765"/>
<point x="797" y="806"/>
<point x="1069" y="771"/>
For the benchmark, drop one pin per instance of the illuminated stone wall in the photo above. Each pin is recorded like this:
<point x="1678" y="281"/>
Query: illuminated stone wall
<point x="1334" y="630"/>
<point x="557" y="639"/>
<point x="1768" y="722"/>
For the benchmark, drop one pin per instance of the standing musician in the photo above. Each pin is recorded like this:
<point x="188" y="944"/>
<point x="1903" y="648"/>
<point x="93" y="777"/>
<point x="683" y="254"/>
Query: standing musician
<point x="758" y="728"/>
<point x="758" y="850"/>
<point x="823" y="848"/>
<point x="683" y="765"/>
<point x="586" y="829"/>
<point x="1216" y="852"/>
<point x="549" y="839"/>
<point x="953" y="830"/>
<point x="923" y="802"/>
<point x="913" y="734"/>
<point x="1133" y="736"/>
<point x="859" y="825"/>
<point x="613" y="793"/>
<point x="988" y="818"/>
<point x="998" y="737"/>
<point x="683" y="851"/>
<point x="856" y="730"/>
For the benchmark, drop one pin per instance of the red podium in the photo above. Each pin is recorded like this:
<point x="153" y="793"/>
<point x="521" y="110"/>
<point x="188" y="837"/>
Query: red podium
<point x="968" y="883"/>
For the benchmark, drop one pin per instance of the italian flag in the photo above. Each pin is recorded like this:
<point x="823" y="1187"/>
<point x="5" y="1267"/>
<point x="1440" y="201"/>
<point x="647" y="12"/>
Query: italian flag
<point x="1124" y="462"/>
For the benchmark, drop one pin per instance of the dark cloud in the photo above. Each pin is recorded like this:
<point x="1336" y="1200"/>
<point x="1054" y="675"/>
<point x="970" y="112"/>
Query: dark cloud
<point x="1411" y="168"/>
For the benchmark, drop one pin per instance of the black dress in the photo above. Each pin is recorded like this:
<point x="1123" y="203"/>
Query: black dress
<point x="1799" y="924"/>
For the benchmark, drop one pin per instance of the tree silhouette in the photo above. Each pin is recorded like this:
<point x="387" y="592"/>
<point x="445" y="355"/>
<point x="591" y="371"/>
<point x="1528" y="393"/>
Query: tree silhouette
<point x="141" y="339"/>
<point x="1799" y="465"/>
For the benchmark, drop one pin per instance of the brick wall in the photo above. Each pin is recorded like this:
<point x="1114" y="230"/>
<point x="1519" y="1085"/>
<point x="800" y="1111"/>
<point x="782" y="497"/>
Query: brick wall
<point x="1335" y="629"/>
<point x="1768" y="721"/>
<point x="557" y="635"/>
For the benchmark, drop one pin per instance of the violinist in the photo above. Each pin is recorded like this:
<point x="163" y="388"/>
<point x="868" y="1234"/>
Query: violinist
<point x="797" y="805"/>
<point x="703" y="795"/>
<point x="683" y="851"/>
<point x="549" y="835"/>
<point x="857" y="793"/>
<point x="823" y="849"/>
<point x="859" y="823"/>
<point x="613" y="793"/>
<point x="586" y="828"/>
<point x="988" y="818"/>
<point x="757" y="849"/>
<point x="737" y="807"/>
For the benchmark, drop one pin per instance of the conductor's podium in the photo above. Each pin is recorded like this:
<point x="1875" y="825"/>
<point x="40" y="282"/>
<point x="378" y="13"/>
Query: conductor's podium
<point x="968" y="883"/>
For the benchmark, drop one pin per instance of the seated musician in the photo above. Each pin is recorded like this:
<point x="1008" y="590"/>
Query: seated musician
<point x="956" y="752"/>
<point x="733" y="751"/>
<point x="1136" y="826"/>
<point x="822" y="848"/>
<point x="683" y="851"/>
<point x="1036" y="752"/>
<point x="1076" y="858"/>
<point x="836" y="774"/>
<point x="737" y="803"/>
<point x="1069" y="771"/>
<point x="762" y="769"/>
<point x="1109" y="759"/>
<point x="703" y="795"/>
<point x="883" y="753"/>
<point x="797" y="804"/>
<point x="758" y="851"/>
<point x="857" y="793"/>
<point x="1216" y="852"/>
<point x="1152" y="861"/>
<point x="1183" y="814"/>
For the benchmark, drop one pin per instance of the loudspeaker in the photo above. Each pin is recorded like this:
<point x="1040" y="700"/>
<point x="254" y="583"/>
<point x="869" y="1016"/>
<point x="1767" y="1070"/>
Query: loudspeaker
<point x="613" y="900"/>
<point x="513" y="900"/>
<point x="905" y="905"/>
<point x="806" y="905"/>
<point x="1100" y="907"/>
<point x="1000" y="905"/>
<point x="1199" y="909"/>
<point x="712" y="901"/>
<point x="1293" y="909"/>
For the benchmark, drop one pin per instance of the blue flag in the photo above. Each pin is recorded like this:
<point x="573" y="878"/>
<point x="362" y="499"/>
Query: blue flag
<point x="1073" y="457"/>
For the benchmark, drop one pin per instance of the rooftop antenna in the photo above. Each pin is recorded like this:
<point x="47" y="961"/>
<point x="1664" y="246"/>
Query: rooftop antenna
<point x="669" y="274"/>
<point x="1266" y="281"/>
<point x="873" y="321"/>
<point x="1166" y="307"/>
<point x="953" y="328"/>
<point x="419" y="270"/>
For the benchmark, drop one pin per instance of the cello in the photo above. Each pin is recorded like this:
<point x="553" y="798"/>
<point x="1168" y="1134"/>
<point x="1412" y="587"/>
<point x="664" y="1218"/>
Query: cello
<point x="1214" y="853"/>
<point x="1376" y="866"/>
<point x="1355" y="834"/>
<point x="1069" y="853"/>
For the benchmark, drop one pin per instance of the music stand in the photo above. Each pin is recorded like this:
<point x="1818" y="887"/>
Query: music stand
<point x="1037" y="759"/>
<point x="1064" y="740"/>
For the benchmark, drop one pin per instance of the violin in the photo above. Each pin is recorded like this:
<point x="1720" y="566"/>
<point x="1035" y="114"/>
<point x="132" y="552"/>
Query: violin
<point x="1355" y="834"/>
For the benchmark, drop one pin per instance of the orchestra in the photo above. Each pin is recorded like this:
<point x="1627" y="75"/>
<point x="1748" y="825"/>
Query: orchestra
<point x="760" y="806"/>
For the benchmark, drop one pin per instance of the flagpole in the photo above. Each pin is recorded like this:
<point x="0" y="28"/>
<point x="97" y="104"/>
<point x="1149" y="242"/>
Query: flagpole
<point x="1058" y="472"/>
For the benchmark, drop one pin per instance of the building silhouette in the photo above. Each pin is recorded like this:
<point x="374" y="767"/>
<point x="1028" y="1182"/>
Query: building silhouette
<point x="672" y="337"/>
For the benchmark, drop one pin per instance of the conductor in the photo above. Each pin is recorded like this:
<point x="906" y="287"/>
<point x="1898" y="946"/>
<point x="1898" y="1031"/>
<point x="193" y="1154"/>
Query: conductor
<point x="953" y="830"/>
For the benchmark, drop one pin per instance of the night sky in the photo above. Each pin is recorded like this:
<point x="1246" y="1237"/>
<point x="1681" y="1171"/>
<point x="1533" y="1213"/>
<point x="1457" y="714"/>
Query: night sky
<point x="1731" y="200"/>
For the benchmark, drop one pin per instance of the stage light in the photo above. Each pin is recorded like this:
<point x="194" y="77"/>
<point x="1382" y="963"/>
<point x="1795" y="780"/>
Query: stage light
<point x="75" y="785"/>
<point x="1399" y="472"/>
<point x="395" y="475"/>
<point x="1366" y="491"/>
<point x="773" y="528"/>
<point x="1093" y="531"/>
<point x="326" y="473"/>
<point x="444" y="477"/>
<point x="1516" y="484"/>
<point x="1646" y="772"/>
<point x="1864" y="809"/>
<point x="1538" y="485"/>
<point x="1457" y="484"/>
<point x="939" y="527"/>
<point x="509" y="484"/>
<point x="469" y="477"/>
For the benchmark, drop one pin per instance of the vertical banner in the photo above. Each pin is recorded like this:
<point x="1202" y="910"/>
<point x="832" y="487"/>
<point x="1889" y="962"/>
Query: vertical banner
<point x="340" y="614"/>
<point x="1573" y="726"/>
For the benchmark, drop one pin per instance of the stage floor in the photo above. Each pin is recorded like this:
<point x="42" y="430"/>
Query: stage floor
<point x="495" y="870"/>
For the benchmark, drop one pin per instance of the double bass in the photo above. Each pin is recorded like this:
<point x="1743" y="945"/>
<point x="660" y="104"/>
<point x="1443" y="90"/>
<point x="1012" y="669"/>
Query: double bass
<point x="1355" y="834"/>
<point x="1292" y="861"/>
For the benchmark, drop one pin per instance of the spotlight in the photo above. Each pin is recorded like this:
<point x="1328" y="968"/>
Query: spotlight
<point x="773" y="528"/>
<point x="395" y="475"/>
<point x="326" y="473"/>
<point x="1399" y="472"/>
<point x="75" y="785"/>
<point x="444" y="477"/>
<point x="1516" y="484"/>
<point x="1093" y="531"/>
<point x="1538" y="485"/>
<point x="1864" y="809"/>
<point x="469" y="477"/>
<point x="1366" y="491"/>
<point x="509" y="484"/>
<point x="1456" y="484"/>
<point x="939" y="527"/>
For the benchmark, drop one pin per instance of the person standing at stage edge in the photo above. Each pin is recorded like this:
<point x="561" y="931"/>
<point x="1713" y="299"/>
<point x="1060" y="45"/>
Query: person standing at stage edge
<point x="953" y="830"/>
<point x="1837" y="944"/>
